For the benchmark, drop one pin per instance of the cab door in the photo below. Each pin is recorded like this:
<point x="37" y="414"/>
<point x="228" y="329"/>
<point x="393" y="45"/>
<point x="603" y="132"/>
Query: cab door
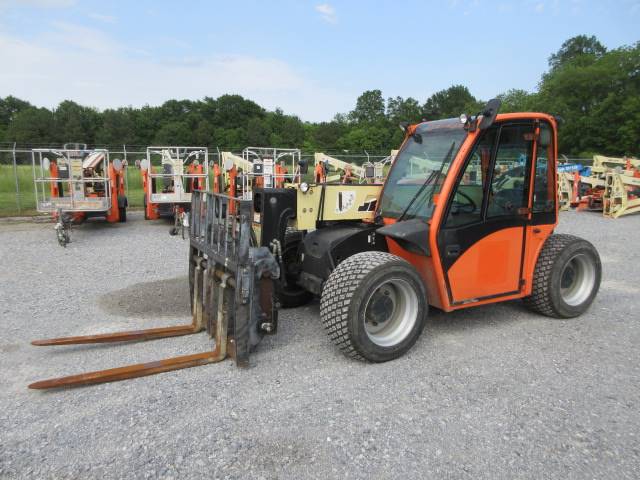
<point x="482" y="237"/>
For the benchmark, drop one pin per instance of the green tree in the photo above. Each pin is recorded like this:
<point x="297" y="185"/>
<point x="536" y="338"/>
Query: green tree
<point x="451" y="102"/>
<point x="403" y="110"/>
<point x="516" y="100"/>
<point x="575" y="48"/>
<point x="174" y="133"/>
<point x="286" y="131"/>
<point x="9" y="106"/>
<point x="597" y="99"/>
<point x="34" y="126"/>
<point x="369" y="108"/>
<point x="118" y="127"/>
<point x="75" y="123"/>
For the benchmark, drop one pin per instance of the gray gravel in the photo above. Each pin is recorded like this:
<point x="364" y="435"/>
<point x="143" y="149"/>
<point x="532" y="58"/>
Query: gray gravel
<point x="492" y="392"/>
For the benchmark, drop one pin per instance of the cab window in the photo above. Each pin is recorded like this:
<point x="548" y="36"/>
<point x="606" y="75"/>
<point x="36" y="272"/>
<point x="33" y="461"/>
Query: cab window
<point x="508" y="191"/>
<point x="544" y="181"/>
<point x="466" y="206"/>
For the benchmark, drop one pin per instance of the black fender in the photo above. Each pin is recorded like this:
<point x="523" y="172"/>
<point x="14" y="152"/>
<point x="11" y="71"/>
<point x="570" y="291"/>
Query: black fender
<point x="324" y="248"/>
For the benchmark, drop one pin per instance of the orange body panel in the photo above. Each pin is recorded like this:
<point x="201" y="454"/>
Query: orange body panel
<point x="216" y="178"/>
<point x="54" y="174"/>
<point x="494" y="264"/>
<point x="151" y="212"/>
<point x="423" y="264"/>
<point x="318" y="173"/>
<point x="490" y="267"/>
<point x="116" y="184"/>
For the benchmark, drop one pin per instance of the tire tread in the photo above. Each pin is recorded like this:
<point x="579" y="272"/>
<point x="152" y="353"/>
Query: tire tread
<point x="540" y="300"/>
<point x="338" y="293"/>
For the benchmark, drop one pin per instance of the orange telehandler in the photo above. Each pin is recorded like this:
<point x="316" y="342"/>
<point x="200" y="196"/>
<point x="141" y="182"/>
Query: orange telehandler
<point x="465" y="218"/>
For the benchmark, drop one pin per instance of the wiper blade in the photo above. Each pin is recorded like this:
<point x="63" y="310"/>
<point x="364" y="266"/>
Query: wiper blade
<point x="428" y="181"/>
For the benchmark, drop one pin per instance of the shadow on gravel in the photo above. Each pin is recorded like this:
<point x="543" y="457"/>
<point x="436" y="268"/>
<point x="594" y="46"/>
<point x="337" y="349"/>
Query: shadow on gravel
<point x="486" y="316"/>
<point x="162" y="298"/>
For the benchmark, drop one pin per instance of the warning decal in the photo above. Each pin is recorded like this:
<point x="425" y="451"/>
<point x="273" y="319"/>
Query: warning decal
<point x="345" y="200"/>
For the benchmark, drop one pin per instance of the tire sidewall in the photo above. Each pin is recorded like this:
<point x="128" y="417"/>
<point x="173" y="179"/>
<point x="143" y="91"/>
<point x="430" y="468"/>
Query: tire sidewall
<point x="581" y="247"/>
<point x="365" y="346"/>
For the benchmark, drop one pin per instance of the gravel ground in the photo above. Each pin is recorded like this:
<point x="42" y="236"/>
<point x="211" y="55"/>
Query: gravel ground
<point x="492" y="392"/>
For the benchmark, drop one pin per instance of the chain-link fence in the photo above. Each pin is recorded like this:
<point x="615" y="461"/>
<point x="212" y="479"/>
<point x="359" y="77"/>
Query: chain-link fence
<point x="17" y="189"/>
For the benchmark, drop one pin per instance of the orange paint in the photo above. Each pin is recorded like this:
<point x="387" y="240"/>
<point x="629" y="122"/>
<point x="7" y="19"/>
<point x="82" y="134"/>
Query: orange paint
<point x="496" y="264"/>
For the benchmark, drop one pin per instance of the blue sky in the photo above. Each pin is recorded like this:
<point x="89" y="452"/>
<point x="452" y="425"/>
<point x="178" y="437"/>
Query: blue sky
<point x="311" y="58"/>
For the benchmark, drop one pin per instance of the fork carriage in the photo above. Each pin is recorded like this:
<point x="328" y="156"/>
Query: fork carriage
<point x="232" y="295"/>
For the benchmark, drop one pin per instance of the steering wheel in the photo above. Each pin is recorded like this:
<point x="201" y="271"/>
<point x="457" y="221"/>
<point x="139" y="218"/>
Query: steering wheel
<point x="469" y="207"/>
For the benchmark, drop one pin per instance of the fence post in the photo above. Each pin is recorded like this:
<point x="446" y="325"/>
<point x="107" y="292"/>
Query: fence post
<point x="15" y="176"/>
<point x="126" y="171"/>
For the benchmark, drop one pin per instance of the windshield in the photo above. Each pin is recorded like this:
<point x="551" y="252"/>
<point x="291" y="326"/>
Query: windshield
<point x="420" y="168"/>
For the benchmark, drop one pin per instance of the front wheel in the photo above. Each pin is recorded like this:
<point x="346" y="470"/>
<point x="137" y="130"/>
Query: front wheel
<point x="374" y="306"/>
<point x="566" y="277"/>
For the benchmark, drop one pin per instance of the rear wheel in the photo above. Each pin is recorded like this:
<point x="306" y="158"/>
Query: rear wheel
<point x="566" y="278"/>
<point x="374" y="306"/>
<point x="292" y="295"/>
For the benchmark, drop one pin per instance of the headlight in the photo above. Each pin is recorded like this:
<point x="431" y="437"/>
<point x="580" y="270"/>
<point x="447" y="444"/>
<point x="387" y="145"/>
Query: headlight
<point x="304" y="187"/>
<point x="463" y="118"/>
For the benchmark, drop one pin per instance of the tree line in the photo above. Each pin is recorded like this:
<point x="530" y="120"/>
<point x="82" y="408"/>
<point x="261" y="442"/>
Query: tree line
<point x="594" y="90"/>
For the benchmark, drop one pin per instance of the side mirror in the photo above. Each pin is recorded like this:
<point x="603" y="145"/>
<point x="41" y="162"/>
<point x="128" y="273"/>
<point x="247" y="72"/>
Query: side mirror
<point x="304" y="166"/>
<point x="489" y="113"/>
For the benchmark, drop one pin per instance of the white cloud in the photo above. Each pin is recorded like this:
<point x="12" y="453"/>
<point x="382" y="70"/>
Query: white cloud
<point x="96" y="71"/>
<point x="102" y="18"/>
<point x="72" y="36"/>
<point x="327" y="12"/>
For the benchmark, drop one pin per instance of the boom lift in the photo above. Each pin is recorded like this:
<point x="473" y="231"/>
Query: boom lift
<point x="369" y="172"/>
<point x="169" y="176"/>
<point x="75" y="183"/>
<point x="451" y="228"/>
<point x="610" y="185"/>
<point x="259" y="167"/>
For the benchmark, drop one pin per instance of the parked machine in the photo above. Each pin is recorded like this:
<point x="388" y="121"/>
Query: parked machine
<point x="169" y="176"/>
<point x="450" y="228"/>
<point x="257" y="167"/>
<point x="75" y="183"/>
<point x="610" y="185"/>
<point x="331" y="170"/>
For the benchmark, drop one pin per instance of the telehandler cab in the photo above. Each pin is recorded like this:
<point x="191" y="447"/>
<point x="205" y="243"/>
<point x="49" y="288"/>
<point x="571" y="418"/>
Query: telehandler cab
<point x="465" y="218"/>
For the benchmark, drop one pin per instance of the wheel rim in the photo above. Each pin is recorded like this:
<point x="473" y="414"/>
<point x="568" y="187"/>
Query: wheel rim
<point x="391" y="312"/>
<point x="577" y="280"/>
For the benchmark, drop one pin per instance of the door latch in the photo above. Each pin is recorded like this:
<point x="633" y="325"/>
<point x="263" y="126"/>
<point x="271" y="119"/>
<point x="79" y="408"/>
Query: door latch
<point x="452" y="250"/>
